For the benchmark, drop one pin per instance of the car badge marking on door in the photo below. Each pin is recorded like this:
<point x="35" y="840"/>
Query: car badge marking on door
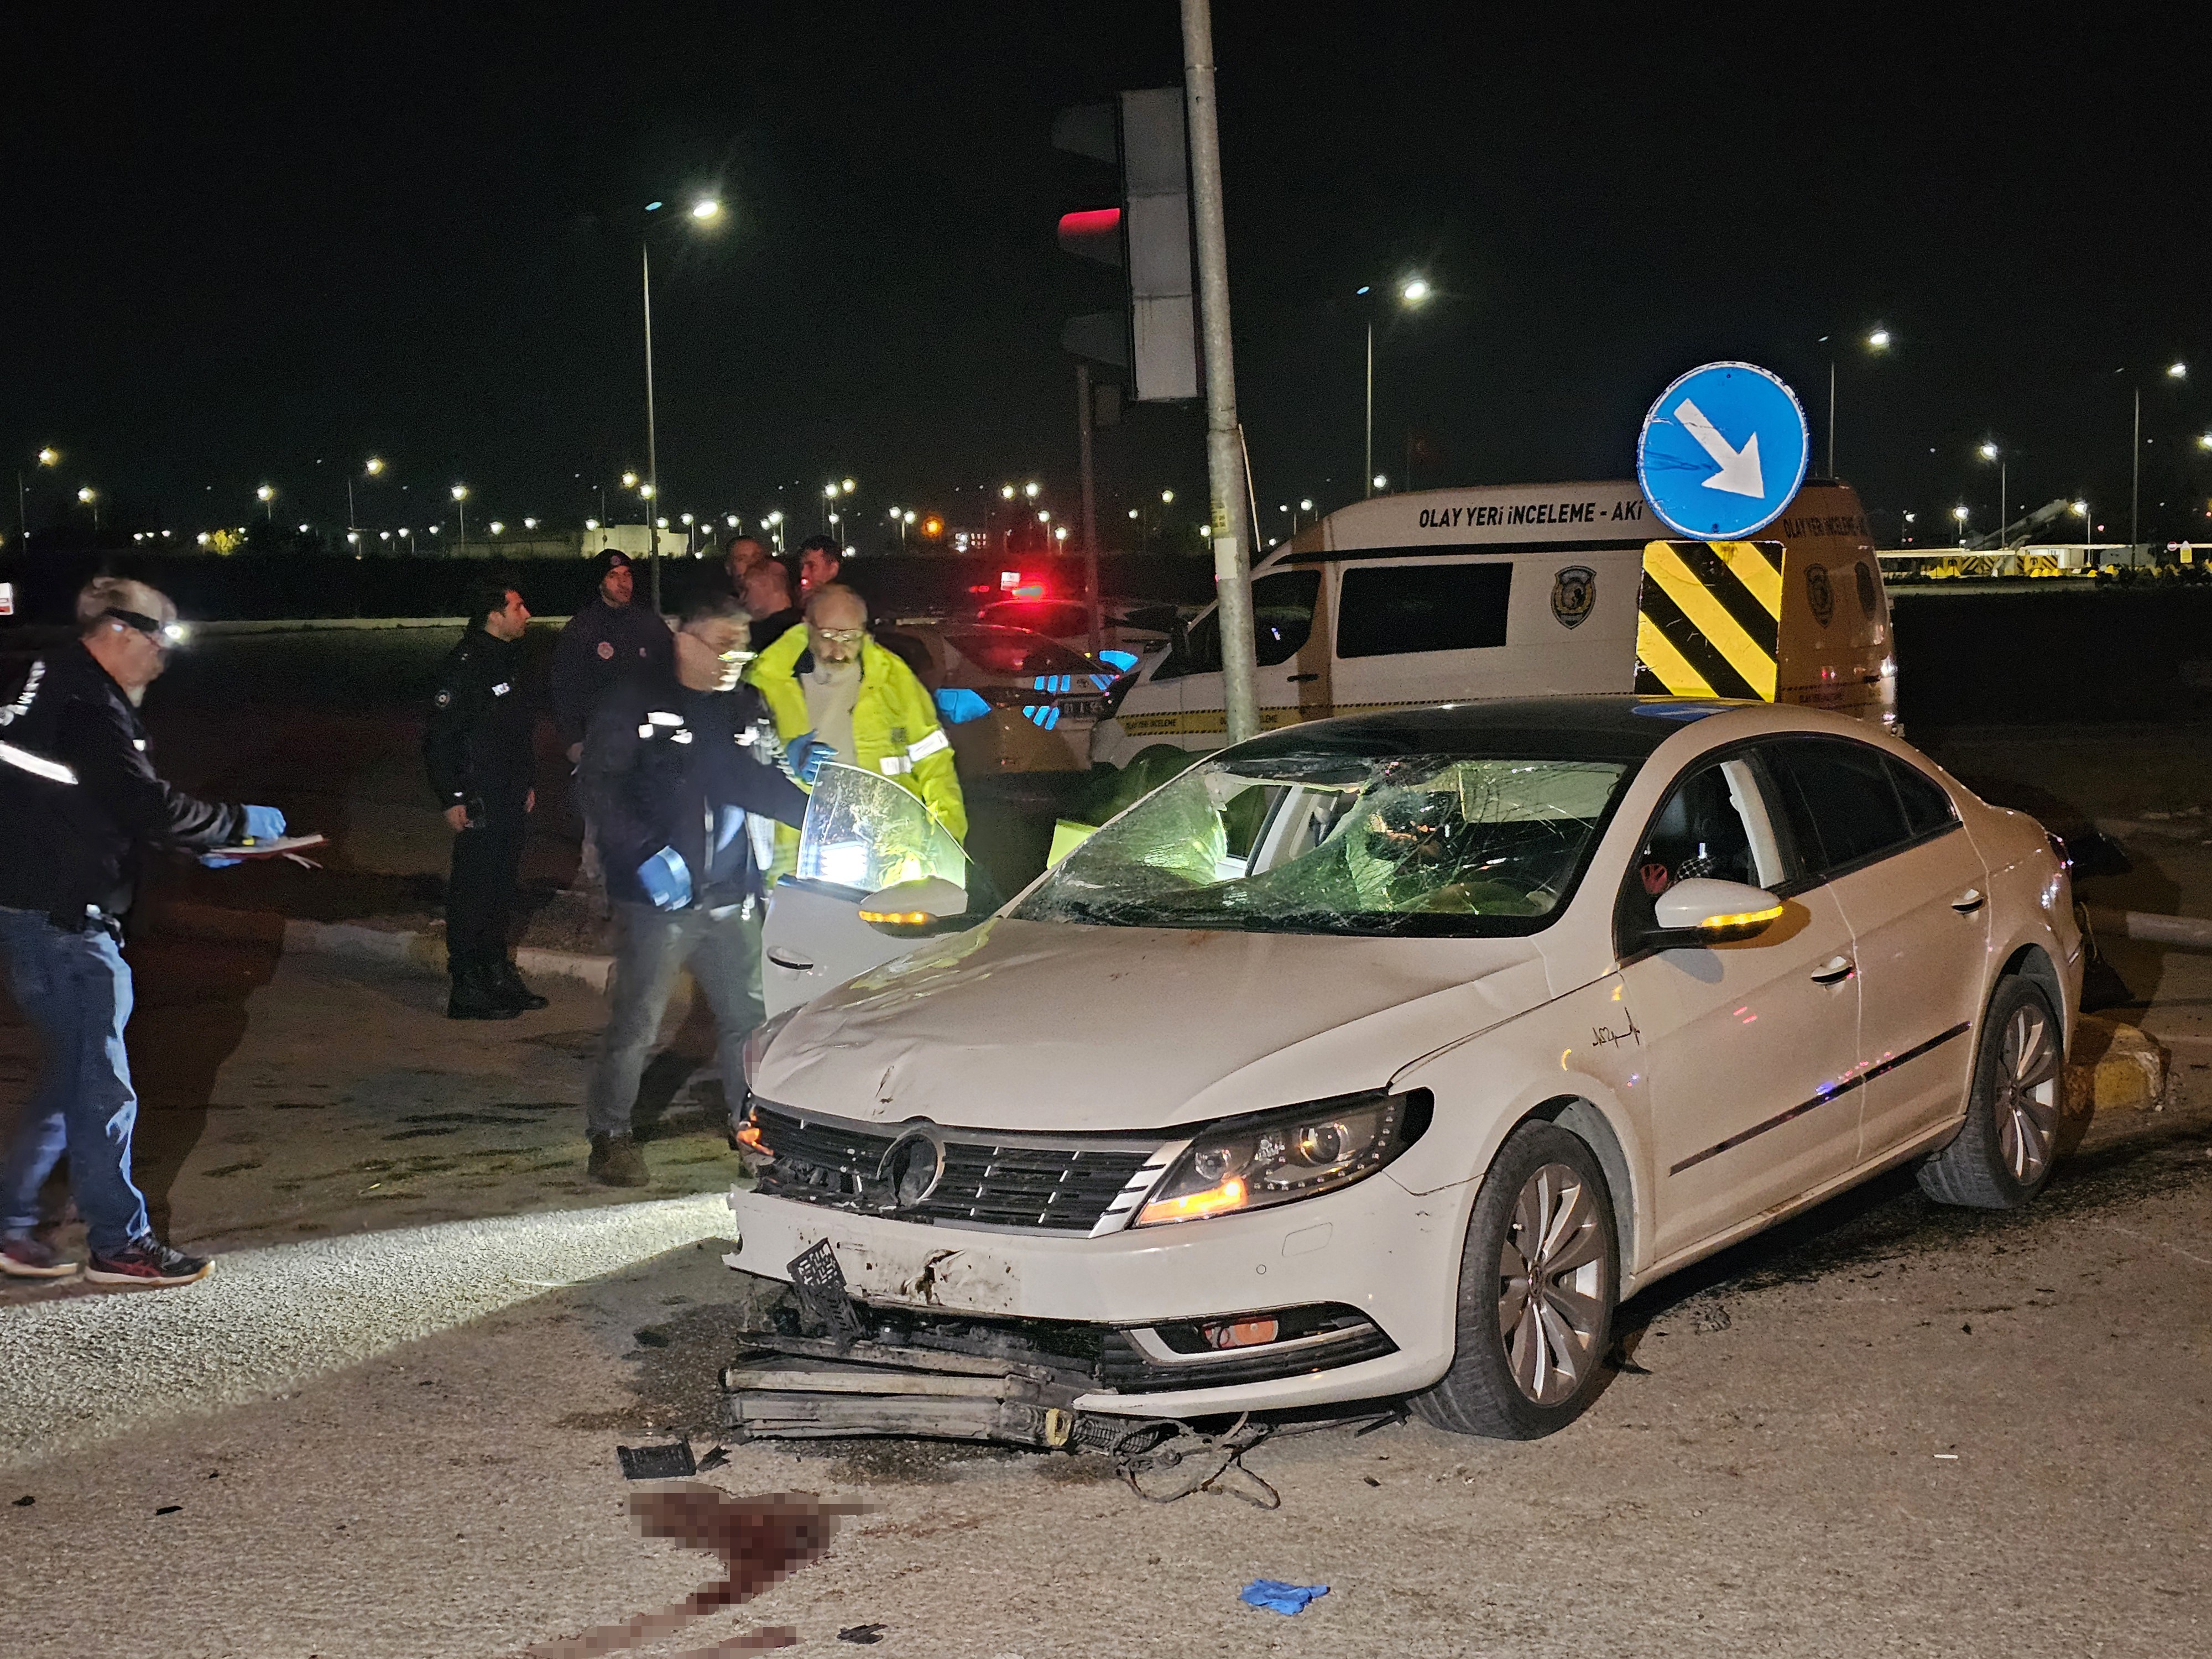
<point x="1819" y="594"/>
<point x="911" y="1168"/>
<point x="1574" y="594"/>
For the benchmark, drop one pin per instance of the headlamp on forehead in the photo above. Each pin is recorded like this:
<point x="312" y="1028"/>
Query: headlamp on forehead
<point x="162" y="634"/>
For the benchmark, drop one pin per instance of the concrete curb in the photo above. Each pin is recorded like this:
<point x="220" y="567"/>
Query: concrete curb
<point x="351" y="938"/>
<point x="2114" y="1068"/>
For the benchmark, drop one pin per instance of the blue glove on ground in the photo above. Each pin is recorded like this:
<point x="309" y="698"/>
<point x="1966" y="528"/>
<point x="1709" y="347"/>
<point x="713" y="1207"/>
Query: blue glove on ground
<point x="216" y="862"/>
<point x="666" y="880"/>
<point x="808" y="754"/>
<point x="1280" y="1597"/>
<point x="264" y="824"/>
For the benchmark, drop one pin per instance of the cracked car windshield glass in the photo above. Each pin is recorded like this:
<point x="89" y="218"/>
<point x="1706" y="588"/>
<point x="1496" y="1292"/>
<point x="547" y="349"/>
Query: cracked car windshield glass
<point x="1410" y="844"/>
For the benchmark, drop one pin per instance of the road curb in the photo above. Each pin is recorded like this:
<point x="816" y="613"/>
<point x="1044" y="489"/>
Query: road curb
<point x="352" y="938"/>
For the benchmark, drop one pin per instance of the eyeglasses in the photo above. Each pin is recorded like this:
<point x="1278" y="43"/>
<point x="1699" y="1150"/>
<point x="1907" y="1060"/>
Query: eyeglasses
<point x="162" y="635"/>
<point x="841" y="635"/>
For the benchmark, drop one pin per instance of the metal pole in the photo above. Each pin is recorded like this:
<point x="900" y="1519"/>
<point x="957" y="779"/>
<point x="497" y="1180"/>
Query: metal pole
<point x="1832" y="417"/>
<point x="652" y="438"/>
<point x="1232" y="526"/>
<point x="2135" y="481"/>
<point x="22" y="511"/>
<point x="2004" y="522"/>
<point x="350" y="524"/>
<point x="1097" y="622"/>
<point x="1367" y="485"/>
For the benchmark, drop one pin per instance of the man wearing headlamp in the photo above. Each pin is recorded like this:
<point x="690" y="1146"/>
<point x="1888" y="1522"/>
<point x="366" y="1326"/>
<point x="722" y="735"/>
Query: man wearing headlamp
<point x="80" y="799"/>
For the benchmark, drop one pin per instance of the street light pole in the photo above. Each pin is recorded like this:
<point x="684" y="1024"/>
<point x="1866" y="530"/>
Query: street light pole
<point x="1832" y="415"/>
<point x="1367" y="471"/>
<point x="1092" y="618"/>
<point x="651" y="435"/>
<point x="2134" y="477"/>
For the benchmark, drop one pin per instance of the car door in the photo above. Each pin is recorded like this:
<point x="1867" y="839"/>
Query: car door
<point x="1912" y="886"/>
<point x="1746" y="1045"/>
<point x="862" y="833"/>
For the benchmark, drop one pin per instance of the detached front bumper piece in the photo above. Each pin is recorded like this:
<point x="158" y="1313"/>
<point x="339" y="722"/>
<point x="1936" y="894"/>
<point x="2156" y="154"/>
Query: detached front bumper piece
<point x="789" y="1387"/>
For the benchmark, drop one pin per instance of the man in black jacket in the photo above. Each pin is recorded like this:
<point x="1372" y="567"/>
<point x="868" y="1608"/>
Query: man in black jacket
<point x="678" y="779"/>
<point x="607" y="642"/>
<point x="476" y="747"/>
<point x="80" y="799"/>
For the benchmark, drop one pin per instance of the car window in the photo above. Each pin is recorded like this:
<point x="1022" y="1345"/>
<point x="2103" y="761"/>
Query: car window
<point x="910" y="651"/>
<point x="1842" y="807"/>
<point x="1927" y="805"/>
<point x="1017" y="652"/>
<point x="1049" y="617"/>
<point x="1714" y="824"/>
<point x="1400" y="609"/>
<point x="1282" y="618"/>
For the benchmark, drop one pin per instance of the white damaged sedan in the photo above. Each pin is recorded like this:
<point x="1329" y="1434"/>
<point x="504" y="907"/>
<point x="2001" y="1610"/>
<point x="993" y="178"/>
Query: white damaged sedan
<point x="1384" y="1055"/>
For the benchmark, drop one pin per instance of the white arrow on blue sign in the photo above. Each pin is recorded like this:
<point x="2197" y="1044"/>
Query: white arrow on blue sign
<point x="1722" y="451"/>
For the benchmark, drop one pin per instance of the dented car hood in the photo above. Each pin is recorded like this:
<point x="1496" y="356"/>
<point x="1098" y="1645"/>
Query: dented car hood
<point x="1046" y="1026"/>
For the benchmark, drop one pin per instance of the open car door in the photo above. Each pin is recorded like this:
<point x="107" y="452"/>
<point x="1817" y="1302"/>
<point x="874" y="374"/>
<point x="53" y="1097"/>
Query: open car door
<point x="863" y="834"/>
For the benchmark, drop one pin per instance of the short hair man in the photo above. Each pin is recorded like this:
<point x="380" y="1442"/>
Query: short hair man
<point x="740" y="554"/>
<point x="81" y="800"/>
<point x="831" y="683"/>
<point x="476" y="748"/>
<point x="767" y="595"/>
<point x="821" y="558"/>
<point x="609" y="641"/>
<point x="684" y="795"/>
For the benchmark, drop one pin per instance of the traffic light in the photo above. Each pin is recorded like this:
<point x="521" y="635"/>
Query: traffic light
<point x="1148" y="237"/>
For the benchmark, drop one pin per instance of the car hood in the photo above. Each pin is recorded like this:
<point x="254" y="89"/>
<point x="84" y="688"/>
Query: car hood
<point x="1047" y="1026"/>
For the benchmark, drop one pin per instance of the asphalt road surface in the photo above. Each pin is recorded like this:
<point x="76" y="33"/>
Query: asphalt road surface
<point x="388" y="1425"/>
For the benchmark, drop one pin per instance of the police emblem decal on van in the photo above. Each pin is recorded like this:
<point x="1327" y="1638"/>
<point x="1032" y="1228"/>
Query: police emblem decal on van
<point x="1709" y="619"/>
<point x="1574" y="594"/>
<point x="1819" y="594"/>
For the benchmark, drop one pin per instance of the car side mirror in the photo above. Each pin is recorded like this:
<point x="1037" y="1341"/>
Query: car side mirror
<point x="1702" y="911"/>
<point x="915" y="909"/>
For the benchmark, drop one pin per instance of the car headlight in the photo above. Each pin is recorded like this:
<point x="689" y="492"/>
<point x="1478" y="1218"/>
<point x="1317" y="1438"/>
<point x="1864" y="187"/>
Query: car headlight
<point x="1273" y="1158"/>
<point x="757" y="1041"/>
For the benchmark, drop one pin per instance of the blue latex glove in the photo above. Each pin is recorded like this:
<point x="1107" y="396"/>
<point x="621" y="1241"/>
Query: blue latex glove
<point x="217" y="862"/>
<point x="807" y="755"/>
<point x="1274" y="1595"/>
<point x="264" y="824"/>
<point x="666" y="880"/>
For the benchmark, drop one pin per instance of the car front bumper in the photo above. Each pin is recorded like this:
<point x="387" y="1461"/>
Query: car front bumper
<point x="1373" y="1248"/>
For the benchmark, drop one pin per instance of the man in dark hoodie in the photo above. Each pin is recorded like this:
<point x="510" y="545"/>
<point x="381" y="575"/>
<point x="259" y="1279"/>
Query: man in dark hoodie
<point x="679" y="781"/>
<point x="607" y="642"/>
<point x="81" y="800"/>
<point x="476" y="748"/>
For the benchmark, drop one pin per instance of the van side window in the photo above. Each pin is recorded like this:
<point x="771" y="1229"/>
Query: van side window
<point x="1282" y="617"/>
<point x="1843" y="803"/>
<point x="1400" y="609"/>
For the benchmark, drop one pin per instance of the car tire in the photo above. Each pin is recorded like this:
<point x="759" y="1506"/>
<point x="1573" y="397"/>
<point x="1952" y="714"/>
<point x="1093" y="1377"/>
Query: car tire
<point x="2003" y="1152"/>
<point x="1525" y="1366"/>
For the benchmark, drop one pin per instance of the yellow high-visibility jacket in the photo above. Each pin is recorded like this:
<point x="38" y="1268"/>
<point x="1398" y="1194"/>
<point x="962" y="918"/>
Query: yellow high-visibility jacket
<point x="894" y="727"/>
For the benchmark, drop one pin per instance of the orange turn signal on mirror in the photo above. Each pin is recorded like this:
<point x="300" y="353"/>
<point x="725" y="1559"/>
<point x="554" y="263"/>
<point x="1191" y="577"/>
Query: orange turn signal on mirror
<point x="1741" y="919"/>
<point x="1229" y="1195"/>
<point x="899" y="918"/>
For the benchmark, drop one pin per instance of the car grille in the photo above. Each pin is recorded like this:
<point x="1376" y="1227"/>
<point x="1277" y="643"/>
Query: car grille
<point x="1055" y="1183"/>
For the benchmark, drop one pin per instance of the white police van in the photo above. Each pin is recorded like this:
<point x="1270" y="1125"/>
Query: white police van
<point x="1533" y="590"/>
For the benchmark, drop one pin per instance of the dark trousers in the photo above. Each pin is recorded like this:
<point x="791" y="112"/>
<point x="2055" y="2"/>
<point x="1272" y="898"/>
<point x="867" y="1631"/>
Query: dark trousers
<point x="723" y="951"/>
<point x="480" y="894"/>
<point x="74" y="990"/>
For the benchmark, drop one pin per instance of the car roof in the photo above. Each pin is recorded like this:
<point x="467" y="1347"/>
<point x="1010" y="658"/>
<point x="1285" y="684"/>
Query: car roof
<point x="1626" y="728"/>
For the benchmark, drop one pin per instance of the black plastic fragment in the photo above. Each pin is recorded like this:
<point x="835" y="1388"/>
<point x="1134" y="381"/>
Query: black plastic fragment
<point x="168" y="1509"/>
<point x="715" y="1459"/>
<point x="25" y="1501"/>
<point x="866" y="1635"/>
<point x="664" y="1462"/>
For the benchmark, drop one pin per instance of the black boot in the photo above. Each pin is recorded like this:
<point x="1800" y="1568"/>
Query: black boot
<point x="477" y="994"/>
<point x="514" y="990"/>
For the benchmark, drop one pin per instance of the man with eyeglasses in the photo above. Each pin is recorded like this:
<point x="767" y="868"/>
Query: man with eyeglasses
<point x="81" y="800"/>
<point x="830" y="681"/>
<point x="682" y="782"/>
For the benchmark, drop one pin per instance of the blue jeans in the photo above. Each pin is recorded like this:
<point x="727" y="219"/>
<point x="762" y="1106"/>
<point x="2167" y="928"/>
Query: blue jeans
<point x="651" y="947"/>
<point x="75" y="988"/>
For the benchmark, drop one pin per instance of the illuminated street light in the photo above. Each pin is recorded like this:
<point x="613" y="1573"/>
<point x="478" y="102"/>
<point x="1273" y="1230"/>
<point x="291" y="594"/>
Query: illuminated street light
<point x="1382" y="482"/>
<point x="1060" y="534"/>
<point x="375" y="466"/>
<point x="733" y="520"/>
<point x="2177" y="371"/>
<point x="1044" y="518"/>
<point x="87" y="495"/>
<point x="530" y="524"/>
<point x="204" y="538"/>
<point x="49" y="457"/>
<point x="591" y="523"/>
<point x="497" y="528"/>
<point x="460" y="492"/>
<point x="1031" y="488"/>
<point x="906" y="517"/>
<point x="1006" y="492"/>
<point x="1879" y="340"/>
<point x="1414" y="289"/>
<point x="688" y="519"/>
<point x="303" y="529"/>
<point x="1306" y="504"/>
<point x="1989" y="451"/>
<point x="629" y="481"/>
<point x="267" y="497"/>
<point x="645" y="492"/>
<point x="848" y="486"/>
<point x="1133" y="512"/>
<point x="661" y="523"/>
<point x="1167" y="495"/>
<point x="707" y="207"/>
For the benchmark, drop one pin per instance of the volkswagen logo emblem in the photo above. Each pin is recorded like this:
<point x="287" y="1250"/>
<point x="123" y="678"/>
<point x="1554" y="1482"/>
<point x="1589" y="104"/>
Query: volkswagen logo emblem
<point x="912" y="1166"/>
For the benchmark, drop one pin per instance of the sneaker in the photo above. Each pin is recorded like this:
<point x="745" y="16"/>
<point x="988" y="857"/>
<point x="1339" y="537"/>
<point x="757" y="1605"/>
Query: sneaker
<point x="511" y="986"/>
<point x="147" y="1261"/>
<point x="478" y="994"/>
<point x="32" y="1258"/>
<point x="617" y="1161"/>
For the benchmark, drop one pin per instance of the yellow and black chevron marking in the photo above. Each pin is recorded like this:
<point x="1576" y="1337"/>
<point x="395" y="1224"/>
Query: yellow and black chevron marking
<point x="1710" y="619"/>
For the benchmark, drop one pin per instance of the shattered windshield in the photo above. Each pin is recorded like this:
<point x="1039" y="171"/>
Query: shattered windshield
<point x="1407" y="844"/>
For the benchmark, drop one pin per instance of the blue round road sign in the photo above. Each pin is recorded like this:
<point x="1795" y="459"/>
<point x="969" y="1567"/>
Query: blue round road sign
<point x="1722" y="451"/>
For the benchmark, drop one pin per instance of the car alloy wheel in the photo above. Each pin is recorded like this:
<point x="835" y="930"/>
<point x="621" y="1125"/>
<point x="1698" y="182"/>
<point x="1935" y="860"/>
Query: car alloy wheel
<point x="2004" y="1150"/>
<point x="1536" y="1289"/>
<point x="2026" y="1106"/>
<point x="1549" y="1273"/>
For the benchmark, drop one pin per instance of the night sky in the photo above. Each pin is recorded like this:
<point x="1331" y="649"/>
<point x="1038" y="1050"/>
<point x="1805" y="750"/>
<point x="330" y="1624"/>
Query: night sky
<point x="249" y="244"/>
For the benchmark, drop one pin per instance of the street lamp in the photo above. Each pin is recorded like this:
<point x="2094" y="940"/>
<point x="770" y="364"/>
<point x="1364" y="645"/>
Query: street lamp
<point x="1380" y="482"/>
<point x="704" y="212"/>
<point x="374" y="468"/>
<point x="90" y="497"/>
<point x="1959" y="514"/>
<point x="1876" y="339"/>
<point x="1989" y="451"/>
<point x="774" y="522"/>
<point x="267" y="497"/>
<point x="1411" y="293"/>
<point x="2174" y="371"/>
<point x="48" y="456"/>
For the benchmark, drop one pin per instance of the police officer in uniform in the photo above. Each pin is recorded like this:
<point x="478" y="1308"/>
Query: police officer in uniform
<point x="477" y="749"/>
